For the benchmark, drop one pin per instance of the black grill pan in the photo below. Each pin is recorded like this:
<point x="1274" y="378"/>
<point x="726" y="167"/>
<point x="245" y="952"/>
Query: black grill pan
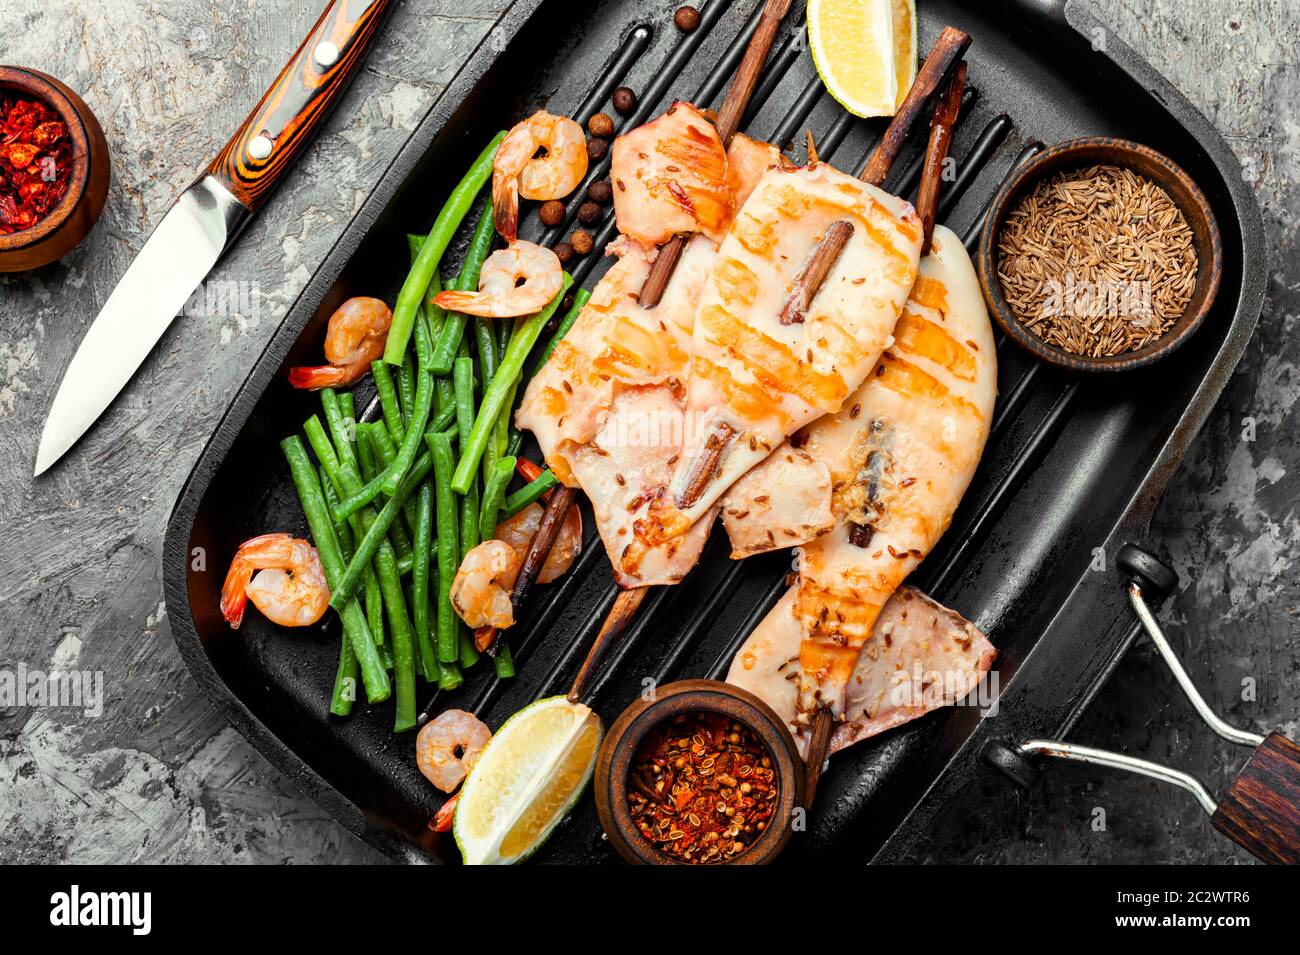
<point x="1073" y="463"/>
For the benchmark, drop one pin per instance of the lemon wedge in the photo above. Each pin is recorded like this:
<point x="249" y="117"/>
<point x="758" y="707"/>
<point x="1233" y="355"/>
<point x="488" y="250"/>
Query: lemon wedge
<point x="864" y="51"/>
<point x="526" y="781"/>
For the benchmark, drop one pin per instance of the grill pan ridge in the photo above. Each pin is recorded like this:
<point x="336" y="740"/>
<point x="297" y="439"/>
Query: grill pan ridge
<point x="1072" y="464"/>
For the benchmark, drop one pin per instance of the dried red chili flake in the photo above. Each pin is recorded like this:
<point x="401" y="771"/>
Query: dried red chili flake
<point x="702" y="788"/>
<point x="35" y="162"/>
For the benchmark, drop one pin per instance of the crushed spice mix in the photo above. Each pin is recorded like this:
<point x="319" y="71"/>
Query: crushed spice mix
<point x="702" y="788"/>
<point x="35" y="162"/>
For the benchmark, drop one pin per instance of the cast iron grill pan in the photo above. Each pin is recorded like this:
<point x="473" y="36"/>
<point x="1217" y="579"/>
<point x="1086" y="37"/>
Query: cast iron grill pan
<point x="1072" y="464"/>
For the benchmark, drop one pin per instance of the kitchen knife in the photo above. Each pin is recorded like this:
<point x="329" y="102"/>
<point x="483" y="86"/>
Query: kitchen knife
<point x="206" y="219"/>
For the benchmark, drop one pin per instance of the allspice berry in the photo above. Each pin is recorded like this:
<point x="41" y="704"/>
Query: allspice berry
<point x="624" y="100"/>
<point x="589" y="213"/>
<point x="564" y="252"/>
<point x="597" y="149"/>
<point x="581" y="241"/>
<point x="687" y="19"/>
<point x="551" y="213"/>
<point x="601" y="191"/>
<point x="601" y="125"/>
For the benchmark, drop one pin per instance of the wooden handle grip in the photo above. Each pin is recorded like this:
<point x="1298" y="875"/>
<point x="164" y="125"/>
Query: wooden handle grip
<point x="302" y="96"/>
<point x="1261" y="810"/>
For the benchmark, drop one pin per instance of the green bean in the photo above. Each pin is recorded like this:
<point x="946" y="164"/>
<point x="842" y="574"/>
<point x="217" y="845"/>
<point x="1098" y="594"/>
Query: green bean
<point x="392" y="476"/>
<point x="530" y="492"/>
<point x="448" y="548"/>
<point x="500" y="432"/>
<point x="431" y="252"/>
<point x="348" y="409"/>
<point x="444" y="417"/>
<point x="388" y="400"/>
<point x="493" y="496"/>
<point x="373" y="598"/>
<point x="521" y="343"/>
<point x="386" y="452"/>
<point x="340" y="433"/>
<point x="487" y="349"/>
<point x="399" y="624"/>
<point x="377" y="530"/>
<point x="516" y="442"/>
<point x="355" y="630"/>
<point x="463" y="379"/>
<point x="378" y="448"/>
<point x="579" y="301"/>
<point x="468" y="652"/>
<point x="345" y="678"/>
<point x="420" y="581"/>
<point x="503" y="662"/>
<point x="453" y="329"/>
<point x="406" y="387"/>
<point x="449" y="676"/>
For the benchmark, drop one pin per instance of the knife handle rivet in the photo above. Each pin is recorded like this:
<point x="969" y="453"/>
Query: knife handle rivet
<point x="326" y="54"/>
<point x="260" y="146"/>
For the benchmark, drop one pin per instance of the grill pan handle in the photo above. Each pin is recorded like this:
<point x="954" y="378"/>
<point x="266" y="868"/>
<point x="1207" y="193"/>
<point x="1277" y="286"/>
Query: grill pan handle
<point x="1261" y="809"/>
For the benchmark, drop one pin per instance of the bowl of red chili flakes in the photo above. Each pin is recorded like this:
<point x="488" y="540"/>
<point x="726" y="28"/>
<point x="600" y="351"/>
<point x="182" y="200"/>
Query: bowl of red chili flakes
<point x="704" y="773"/>
<point x="54" y="169"/>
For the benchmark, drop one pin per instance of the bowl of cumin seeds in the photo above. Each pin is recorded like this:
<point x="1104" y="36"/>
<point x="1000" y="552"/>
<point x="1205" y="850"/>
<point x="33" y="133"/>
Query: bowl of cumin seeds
<point x="1100" y="254"/>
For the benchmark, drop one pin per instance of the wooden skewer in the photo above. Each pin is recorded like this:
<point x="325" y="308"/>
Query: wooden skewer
<point x="822" y="729"/>
<point x="947" y="50"/>
<point x="620" y="616"/>
<point x="814" y="273"/>
<point x="557" y="509"/>
<point x="729" y="117"/>
<point x="945" y="116"/>
<point x="706" y="465"/>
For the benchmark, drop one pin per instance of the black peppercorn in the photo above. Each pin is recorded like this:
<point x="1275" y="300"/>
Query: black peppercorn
<point x="624" y="100"/>
<point x="551" y="213"/>
<point x="601" y="125"/>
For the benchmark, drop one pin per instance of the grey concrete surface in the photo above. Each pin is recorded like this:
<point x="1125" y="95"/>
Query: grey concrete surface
<point x="159" y="777"/>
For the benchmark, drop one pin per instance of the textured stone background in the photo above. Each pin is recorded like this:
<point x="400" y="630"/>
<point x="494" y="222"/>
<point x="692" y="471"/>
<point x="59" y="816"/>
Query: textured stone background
<point x="160" y="778"/>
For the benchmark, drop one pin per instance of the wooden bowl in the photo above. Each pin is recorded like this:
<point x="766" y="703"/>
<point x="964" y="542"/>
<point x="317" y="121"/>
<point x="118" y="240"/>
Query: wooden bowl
<point x="69" y="221"/>
<point x="690" y="696"/>
<point x="1080" y="153"/>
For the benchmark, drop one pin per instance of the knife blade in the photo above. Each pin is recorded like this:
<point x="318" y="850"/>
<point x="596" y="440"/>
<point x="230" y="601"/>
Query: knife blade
<point x="177" y="257"/>
<point x="207" y="218"/>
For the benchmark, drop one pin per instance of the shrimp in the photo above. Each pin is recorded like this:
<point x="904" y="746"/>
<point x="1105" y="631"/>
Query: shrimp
<point x="289" y="589"/>
<point x="519" y="170"/>
<point x="518" y="280"/>
<point x="357" y="333"/>
<point x="480" y="594"/>
<point x="518" y="532"/>
<point x="448" y="746"/>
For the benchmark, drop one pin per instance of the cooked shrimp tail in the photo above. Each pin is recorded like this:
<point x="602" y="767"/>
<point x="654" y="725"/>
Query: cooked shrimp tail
<point x="316" y="377"/>
<point x="358" y="331"/>
<point x="544" y="157"/>
<point x="519" y="280"/>
<point x="289" y="588"/>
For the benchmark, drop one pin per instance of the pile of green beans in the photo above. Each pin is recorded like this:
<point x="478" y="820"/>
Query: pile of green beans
<point x="395" y="504"/>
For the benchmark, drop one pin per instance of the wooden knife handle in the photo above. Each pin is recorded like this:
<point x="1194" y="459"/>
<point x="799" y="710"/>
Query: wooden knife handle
<point x="298" y="102"/>
<point x="1261" y="810"/>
